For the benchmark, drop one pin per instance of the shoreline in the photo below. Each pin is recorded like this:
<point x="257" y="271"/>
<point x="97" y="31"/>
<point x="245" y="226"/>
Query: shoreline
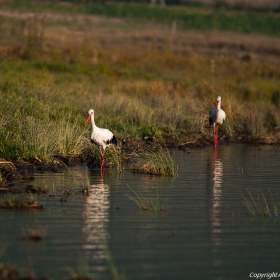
<point x="21" y="172"/>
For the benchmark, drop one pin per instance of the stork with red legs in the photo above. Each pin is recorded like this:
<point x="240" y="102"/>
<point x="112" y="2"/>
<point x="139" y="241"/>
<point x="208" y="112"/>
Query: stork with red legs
<point x="217" y="116"/>
<point x="102" y="137"/>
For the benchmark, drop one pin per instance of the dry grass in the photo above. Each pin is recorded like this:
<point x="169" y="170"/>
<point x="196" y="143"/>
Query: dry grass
<point x="143" y="79"/>
<point x="136" y="36"/>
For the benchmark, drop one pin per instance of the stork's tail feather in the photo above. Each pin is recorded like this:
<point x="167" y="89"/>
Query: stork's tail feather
<point x="114" y="140"/>
<point x="211" y="122"/>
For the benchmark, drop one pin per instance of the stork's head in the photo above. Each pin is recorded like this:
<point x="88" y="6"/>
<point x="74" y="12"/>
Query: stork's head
<point x="90" y="112"/>
<point x="219" y="102"/>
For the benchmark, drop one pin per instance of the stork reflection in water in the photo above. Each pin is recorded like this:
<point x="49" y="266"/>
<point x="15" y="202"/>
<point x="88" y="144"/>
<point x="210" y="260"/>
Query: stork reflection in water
<point x="95" y="225"/>
<point x="217" y="180"/>
<point x="217" y="173"/>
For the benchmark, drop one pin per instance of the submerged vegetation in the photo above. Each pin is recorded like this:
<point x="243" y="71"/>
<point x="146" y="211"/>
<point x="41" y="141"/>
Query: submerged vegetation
<point x="8" y="272"/>
<point x="112" y="266"/>
<point x="258" y="206"/>
<point x="20" y="205"/>
<point x="36" y="235"/>
<point x="147" y="203"/>
<point x="144" y="80"/>
<point x="33" y="234"/>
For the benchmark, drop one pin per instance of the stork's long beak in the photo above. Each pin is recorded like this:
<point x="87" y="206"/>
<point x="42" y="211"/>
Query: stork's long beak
<point x="87" y="119"/>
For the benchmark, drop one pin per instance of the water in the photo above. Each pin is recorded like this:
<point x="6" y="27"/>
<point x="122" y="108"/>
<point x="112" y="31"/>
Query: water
<point x="205" y="233"/>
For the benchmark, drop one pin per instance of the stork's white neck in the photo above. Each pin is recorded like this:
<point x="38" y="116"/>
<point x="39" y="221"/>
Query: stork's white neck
<point x="218" y="105"/>
<point x="92" y="120"/>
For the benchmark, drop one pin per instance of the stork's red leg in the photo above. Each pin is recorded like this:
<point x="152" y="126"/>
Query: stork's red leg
<point x="215" y="142"/>
<point x="216" y="136"/>
<point x="102" y="158"/>
<point x="102" y="161"/>
<point x="102" y="173"/>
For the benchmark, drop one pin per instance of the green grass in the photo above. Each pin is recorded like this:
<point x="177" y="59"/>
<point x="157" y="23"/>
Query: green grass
<point x="198" y="19"/>
<point x="204" y="21"/>
<point x="51" y="107"/>
<point x="34" y="130"/>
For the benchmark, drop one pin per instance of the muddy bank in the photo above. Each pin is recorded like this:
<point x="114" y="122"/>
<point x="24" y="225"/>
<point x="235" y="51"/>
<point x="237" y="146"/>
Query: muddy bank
<point x="17" y="172"/>
<point x="9" y="272"/>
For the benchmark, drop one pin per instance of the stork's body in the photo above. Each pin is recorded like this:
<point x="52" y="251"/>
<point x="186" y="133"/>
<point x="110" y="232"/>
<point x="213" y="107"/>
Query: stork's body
<point x="102" y="137"/>
<point x="217" y="116"/>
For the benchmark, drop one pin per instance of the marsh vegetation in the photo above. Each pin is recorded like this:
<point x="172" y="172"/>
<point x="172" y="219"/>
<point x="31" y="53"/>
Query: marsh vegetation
<point x="146" y="78"/>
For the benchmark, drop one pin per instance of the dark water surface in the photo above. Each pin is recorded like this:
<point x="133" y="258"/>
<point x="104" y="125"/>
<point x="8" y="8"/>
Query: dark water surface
<point x="205" y="233"/>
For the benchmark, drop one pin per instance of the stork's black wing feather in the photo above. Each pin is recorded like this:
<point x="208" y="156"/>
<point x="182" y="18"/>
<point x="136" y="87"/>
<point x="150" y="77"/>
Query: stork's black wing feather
<point x="113" y="140"/>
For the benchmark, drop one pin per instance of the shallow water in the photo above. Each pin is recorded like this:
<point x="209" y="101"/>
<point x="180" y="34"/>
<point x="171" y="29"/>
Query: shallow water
<point x="205" y="233"/>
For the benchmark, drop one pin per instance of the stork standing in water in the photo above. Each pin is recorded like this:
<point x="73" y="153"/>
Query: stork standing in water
<point x="217" y="116"/>
<point x="102" y="137"/>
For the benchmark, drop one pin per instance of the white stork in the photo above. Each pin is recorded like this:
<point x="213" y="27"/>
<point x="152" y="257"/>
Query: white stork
<point x="217" y="116"/>
<point x="102" y="137"/>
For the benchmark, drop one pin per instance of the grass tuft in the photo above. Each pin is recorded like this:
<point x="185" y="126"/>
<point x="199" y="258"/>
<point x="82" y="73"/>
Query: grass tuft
<point x="156" y="162"/>
<point x="113" y="157"/>
<point x="259" y="206"/>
